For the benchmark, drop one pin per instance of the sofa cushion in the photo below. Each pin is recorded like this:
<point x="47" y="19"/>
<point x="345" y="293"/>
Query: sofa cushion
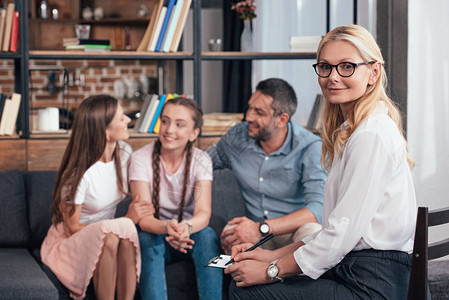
<point x="439" y="279"/>
<point x="13" y="213"/>
<point x="227" y="201"/>
<point x="39" y="189"/>
<point x="22" y="278"/>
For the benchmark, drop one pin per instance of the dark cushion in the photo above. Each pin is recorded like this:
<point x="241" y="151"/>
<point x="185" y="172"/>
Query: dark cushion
<point x="181" y="281"/>
<point x="439" y="279"/>
<point x="227" y="201"/>
<point x="39" y="189"/>
<point x="22" y="278"/>
<point x="13" y="213"/>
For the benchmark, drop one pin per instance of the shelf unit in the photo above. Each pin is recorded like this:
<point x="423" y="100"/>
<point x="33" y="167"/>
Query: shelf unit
<point x="36" y="145"/>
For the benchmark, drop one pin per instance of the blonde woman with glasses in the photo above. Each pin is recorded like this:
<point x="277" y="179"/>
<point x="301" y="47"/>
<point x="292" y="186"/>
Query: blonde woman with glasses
<point x="363" y="250"/>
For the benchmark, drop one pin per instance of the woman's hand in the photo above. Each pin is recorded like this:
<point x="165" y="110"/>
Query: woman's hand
<point x="139" y="209"/>
<point x="249" y="272"/>
<point x="238" y="253"/>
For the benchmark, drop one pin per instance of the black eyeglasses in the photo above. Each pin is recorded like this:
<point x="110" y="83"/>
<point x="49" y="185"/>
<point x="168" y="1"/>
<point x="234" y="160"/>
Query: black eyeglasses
<point x="344" y="69"/>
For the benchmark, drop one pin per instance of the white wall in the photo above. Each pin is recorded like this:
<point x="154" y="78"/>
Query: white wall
<point x="428" y="100"/>
<point x="211" y="71"/>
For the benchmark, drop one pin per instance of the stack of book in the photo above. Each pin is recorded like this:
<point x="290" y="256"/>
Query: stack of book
<point x="86" y="44"/>
<point x="304" y="43"/>
<point x="166" y="26"/>
<point x="149" y="121"/>
<point x="9" y="28"/>
<point x="9" y="110"/>
<point x="220" y="121"/>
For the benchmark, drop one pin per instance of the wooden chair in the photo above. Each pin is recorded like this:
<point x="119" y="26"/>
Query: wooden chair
<point x="418" y="288"/>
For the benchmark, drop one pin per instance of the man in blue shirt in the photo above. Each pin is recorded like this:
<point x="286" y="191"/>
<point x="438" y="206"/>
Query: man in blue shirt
<point x="277" y="165"/>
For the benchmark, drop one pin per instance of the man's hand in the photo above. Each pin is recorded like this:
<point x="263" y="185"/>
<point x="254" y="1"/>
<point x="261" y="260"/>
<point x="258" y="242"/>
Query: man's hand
<point x="139" y="209"/>
<point x="245" y="231"/>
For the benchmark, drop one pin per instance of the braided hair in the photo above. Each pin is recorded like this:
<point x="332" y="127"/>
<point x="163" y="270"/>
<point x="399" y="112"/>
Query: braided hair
<point x="198" y="122"/>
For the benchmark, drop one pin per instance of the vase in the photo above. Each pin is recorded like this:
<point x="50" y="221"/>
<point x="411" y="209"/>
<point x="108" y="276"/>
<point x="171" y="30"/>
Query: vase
<point x="246" y="40"/>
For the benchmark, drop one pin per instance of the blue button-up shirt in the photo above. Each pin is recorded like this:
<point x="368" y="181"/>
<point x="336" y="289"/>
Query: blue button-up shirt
<point x="279" y="183"/>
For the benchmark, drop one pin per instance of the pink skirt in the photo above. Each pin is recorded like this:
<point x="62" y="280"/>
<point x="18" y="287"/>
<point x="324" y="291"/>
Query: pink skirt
<point x="73" y="260"/>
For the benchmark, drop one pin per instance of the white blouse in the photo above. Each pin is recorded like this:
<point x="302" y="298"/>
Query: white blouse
<point x="369" y="198"/>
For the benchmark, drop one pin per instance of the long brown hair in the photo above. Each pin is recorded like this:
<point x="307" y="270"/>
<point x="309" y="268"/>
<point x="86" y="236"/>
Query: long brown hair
<point x="198" y="122"/>
<point x="86" y="146"/>
<point x="335" y="138"/>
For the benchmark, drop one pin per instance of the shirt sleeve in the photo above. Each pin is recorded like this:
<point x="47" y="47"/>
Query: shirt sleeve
<point x="81" y="191"/>
<point x="313" y="179"/>
<point x="219" y="153"/>
<point x="203" y="166"/>
<point x="367" y="169"/>
<point x="140" y="168"/>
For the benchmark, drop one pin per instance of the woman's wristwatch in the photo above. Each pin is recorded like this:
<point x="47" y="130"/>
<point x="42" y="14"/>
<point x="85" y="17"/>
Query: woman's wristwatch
<point x="190" y="226"/>
<point x="273" y="271"/>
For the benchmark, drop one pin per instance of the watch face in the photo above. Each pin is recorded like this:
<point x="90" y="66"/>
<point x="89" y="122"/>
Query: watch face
<point x="264" y="228"/>
<point x="272" y="271"/>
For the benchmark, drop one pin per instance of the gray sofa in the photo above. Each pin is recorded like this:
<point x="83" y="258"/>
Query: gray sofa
<point x="25" y="199"/>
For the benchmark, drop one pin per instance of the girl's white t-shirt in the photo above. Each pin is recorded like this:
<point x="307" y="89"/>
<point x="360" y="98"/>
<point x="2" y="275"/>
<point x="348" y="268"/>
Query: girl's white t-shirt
<point x="171" y="184"/>
<point x="98" y="191"/>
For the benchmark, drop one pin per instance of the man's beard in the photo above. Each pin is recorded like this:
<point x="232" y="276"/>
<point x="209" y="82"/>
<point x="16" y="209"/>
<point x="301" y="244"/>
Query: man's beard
<point x="263" y="135"/>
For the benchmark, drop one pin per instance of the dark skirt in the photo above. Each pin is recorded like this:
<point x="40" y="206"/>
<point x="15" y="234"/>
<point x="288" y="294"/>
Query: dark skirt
<point x="367" y="274"/>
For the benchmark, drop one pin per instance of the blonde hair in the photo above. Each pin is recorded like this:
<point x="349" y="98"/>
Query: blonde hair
<point x="334" y="137"/>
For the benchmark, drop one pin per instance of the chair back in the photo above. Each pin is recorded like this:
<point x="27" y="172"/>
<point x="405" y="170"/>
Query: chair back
<point x="423" y="251"/>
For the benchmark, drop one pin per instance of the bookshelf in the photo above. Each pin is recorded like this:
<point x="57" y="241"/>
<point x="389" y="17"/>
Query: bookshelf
<point x="42" y="151"/>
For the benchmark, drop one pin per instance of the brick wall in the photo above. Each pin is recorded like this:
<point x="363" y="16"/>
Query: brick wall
<point x="85" y="77"/>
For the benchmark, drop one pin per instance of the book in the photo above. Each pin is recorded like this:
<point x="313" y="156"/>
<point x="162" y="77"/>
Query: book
<point x="157" y="112"/>
<point x="150" y="114"/>
<point x="168" y="15"/>
<point x="143" y="109"/>
<point x="8" y="25"/>
<point x="2" y="104"/>
<point x="14" y="32"/>
<point x="157" y="126"/>
<point x="12" y="114"/>
<point x="149" y="32"/>
<point x="154" y="38"/>
<point x="89" y="47"/>
<point x="172" y="26"/>
<point x="180" y="26"/>
<point x="315" y="119"/>
<point x="2" y="25"/>
<point x="304" y="43"/>
<point x="76" y="41"/>
<point x="220" y="121"/>
<point x="5" y="116"/>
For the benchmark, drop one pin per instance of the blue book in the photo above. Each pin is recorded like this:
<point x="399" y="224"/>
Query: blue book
<point x="172" y="26"/>
<point x="156" y="114"/>
<point x="170" y="5"/>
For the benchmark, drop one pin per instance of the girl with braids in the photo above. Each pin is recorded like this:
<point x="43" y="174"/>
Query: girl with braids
<point x="177" y="178"/>
<point x="84" y="240"/>
<point x="369" y="214"/>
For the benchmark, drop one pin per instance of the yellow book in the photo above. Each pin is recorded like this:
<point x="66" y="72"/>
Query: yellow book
<point x="158" y="122"/>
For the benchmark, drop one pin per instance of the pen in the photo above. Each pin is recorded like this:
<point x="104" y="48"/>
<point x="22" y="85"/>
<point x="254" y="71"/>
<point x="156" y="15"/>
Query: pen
<point x="262" y="240"/>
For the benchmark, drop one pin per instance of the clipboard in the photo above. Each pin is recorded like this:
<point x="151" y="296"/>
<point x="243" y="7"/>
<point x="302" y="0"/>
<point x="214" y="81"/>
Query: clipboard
<point x="219" y="261"/>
